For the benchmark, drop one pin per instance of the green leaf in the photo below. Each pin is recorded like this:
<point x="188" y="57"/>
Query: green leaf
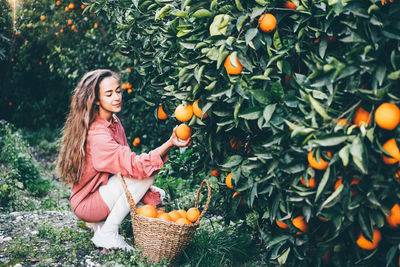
<point x="232" y="161"/>
<point x="318" y="108"/>
<point x="330" y="140"/>
<point x="334" y="195"/>
<point x="261" y="96"/>
<point x="357" y="151"/>
<point x="344" y="154"/>
<point x="250" y="34"/>
<point x="380" y="74"/>
<point x="365" y="225"/>
<point x="282" y="258"/>
<point x="322" y="183"/>
<point x="277" y="41"/>
<point x="394" y="75"/>
<point x="219" y="25"/>
<point x="251" y="113"/>
<point x="268" y="112"/>
<point x="202" y="13"/>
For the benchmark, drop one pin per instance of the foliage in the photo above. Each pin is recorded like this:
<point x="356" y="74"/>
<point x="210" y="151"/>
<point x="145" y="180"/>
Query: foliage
<point x="20" y="168"/>
<point x="5" y="30"/>
<point x="324" y="60"/>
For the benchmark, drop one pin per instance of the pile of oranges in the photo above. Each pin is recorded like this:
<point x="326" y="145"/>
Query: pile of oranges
<point x="178" y="216"/>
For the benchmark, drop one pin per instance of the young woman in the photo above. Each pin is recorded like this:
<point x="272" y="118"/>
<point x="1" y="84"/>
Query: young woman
<point x="94" y="149"/>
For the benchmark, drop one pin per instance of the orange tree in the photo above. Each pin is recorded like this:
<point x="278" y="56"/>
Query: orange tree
<point x="51" y="47"/>
<point x="286" y="96"/>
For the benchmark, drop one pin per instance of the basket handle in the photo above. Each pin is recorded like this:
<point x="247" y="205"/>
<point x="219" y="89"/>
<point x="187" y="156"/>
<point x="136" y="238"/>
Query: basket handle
<point x="128" y="194"/>
<point x="205" y="181"/>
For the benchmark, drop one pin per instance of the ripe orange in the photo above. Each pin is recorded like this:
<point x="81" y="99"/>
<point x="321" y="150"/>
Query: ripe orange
<point x="69" y="22"/>
<point x="137" y="140"/>
<point x="66" y="9"/>
<point x="127" y="69"/>
<point x="83" y="6"/>
<point x="164" y="216"/>
<point x="363" y="243"/>
<point x="338" y="183"/>
<point x="159" y="212"/>
<point x="394" y="218"/>
<point x="197" y="111"/>
<point x="387" y="116"/>
<point x="290" y="5"/>
<point x="183" y="131"/>
<point x="300" y="224"/>
<point x="311" y="182"/>
<point x="215" y="173"/>
<point x="148" y="211"/>
<point x="161" y="115"/>
<point x="183" y="221"/>
<point x="58" y="3"/>
<point x="73" y="27"/>
<point x="193" y="214"/>
<point x="267" y="22"/>
<point x="129" y="91"/>
<point x="228" y="180"/>
<point x="393" y="150"/>
<point x="71" y="6"/>
<point x="281" y="224"/>
<point x="230" y="69"/>
<point x="61" y="30"/>
<point x="362" y="117"/>
<point x="183" y="213"/>
<point x="322" y="164"/>
<point x="42" y="18"/>
<point x="175" y="215"/>
<point x="342" y="121"/>
<point x="95" y="26"/>
<point x="184" y="112"/>
<point x="235" y="194"/>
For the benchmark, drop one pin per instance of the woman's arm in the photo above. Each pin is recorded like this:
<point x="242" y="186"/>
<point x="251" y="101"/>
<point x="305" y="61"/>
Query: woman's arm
<point x="172" y="141"/>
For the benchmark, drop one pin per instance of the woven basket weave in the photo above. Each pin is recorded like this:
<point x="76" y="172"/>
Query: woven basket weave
<point x="159" y="239"/>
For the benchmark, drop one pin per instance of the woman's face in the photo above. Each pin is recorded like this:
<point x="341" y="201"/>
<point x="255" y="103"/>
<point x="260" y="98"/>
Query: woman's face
<point x="110" y="97"/>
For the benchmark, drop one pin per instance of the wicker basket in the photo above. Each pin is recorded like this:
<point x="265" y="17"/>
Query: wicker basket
<point x="158" y="239"/>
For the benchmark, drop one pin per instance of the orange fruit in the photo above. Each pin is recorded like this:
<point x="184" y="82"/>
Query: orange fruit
<point x="338" y="183"/>
<point x="66" y="9"/>
<point x="83" y="6"/>
<point x="321" y="165"/>
<point x="363" y="243"/>
<point x="387" y="116"/>
<point x="342" y="121"/>
<point x="215" y="173"/>
<point x="175" y="215"/>
<point x="394" y="218"/>
<point x="58" y="3"/>
<point x="71" y="6"/>
<point x="393" y="150"/>
<point x="362" y="117"/>
<point x="42" y="18"/>
<point x="184" y="112"/>
<point x="267" y="22"/>
<point x="73" y="27"/>
<point x="228" y="180"/>
<point x="197" y="111"/>
<point x="137" y="140"/>
<point x="311" y="182"/>
<point x="193" y="214"/>
<point x="300" y="224"/>
<point x="290" y="5"/>
<point x="95" y="26"/>
<point x="127" y="69"/>
<point x="148" y="211"/>
<point x="235" y="194"/>
<point x="159" y="212"/>
<point x="129" y="91"/>
<point x="183" y="221"/>
<point x="230" y="69"/>
<point x="161" y="115"/>
<point x="61" y="30"/>
<point x="69" y="22"/>
<point x="183" y="213"/>
<point x="390" y="221"/>
<point x="355" y="180"/>
<point x="183" y="131"/>
<point x="281" y="224"/>
<point x="164" y="216"/>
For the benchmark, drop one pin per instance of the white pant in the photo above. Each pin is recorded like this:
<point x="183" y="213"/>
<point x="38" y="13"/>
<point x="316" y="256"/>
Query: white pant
<point x="113" y="195"/>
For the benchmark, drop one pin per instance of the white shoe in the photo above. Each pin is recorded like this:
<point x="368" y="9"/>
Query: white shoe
<point x="110" y="240"/>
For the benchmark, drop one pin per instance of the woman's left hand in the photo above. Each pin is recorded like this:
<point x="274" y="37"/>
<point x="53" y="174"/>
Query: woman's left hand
<point x="174" y="140"/>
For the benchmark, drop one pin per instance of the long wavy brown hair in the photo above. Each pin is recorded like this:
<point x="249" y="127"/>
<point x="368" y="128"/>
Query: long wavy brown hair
<point x="82" y="113"/>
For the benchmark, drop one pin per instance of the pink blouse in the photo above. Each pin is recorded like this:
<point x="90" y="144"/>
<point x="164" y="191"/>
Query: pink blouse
<point x="107" y="153"/>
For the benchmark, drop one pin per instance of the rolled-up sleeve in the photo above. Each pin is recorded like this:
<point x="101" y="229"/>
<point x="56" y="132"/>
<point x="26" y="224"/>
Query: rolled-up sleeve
<point x="112" y="157"/>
